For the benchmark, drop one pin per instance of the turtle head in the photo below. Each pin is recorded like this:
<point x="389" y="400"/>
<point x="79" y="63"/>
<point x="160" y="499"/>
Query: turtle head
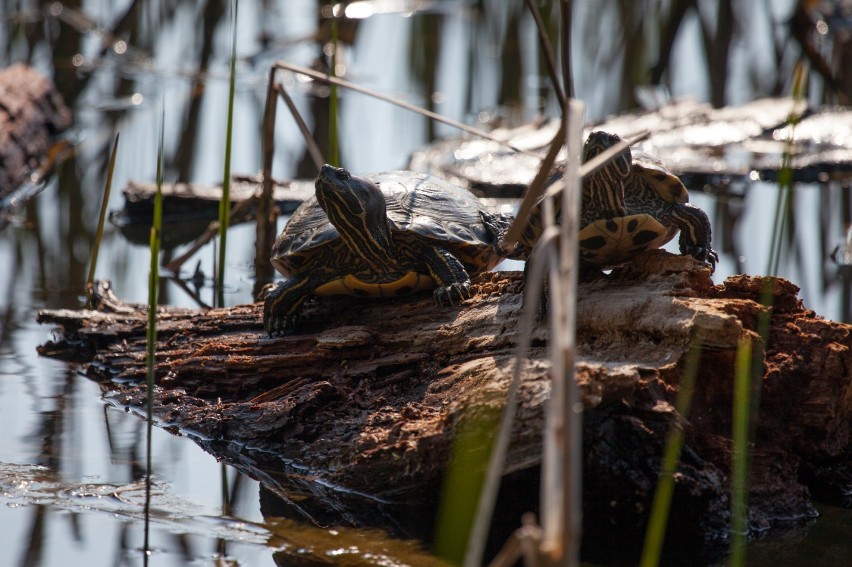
<point x="603" y="190"/>
<point x="598" y="142"/>
<point x="357" y="209"/>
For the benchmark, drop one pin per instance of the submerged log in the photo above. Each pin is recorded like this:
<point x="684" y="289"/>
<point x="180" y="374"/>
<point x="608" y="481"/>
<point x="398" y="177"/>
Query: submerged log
<point x="361" y="407"/>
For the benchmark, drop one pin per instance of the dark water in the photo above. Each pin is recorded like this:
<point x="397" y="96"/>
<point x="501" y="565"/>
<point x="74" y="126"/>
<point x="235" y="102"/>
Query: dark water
<point x="70" y="466"/>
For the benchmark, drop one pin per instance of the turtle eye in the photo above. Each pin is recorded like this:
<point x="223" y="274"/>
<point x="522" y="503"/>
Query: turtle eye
<point x="342" y="174"/>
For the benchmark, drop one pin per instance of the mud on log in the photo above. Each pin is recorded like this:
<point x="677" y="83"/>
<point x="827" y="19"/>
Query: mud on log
<point x="368" y="397"/>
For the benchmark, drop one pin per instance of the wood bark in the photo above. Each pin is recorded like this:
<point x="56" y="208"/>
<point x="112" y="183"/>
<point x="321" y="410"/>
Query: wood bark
<point x="368" y="397"/>
<point x="31" y="113"/>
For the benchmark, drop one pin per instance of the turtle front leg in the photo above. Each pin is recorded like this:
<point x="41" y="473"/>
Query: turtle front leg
<point x="695" y="233"/>
<point x="449" y="274"/>
<point x="282" y="303"/>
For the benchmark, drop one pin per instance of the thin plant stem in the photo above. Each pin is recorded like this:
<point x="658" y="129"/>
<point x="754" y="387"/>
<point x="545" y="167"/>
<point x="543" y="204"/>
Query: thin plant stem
<point x="334" y="148"/>
<point x="561" y="472"/>
<point x="265" y="224"/>
<point x="656" y="530"/>
<point x="785" y="174"/>
<point x="748" y="380"/>
<point x="316" y="75"/>
<point x="565" y="44"/>
<point x="313" y="147"/>
<point x="562" y="540"/>
<point x="536" y="189"/>
<point x="549" y="57"/>
<point x="90" y="281"/>
<point x="739" y="457"/>
<point x="463" y="481"/>
<point x="534" y="193"/>
<point x="488" y="494"/>
<point x="532" y="294"/>
<point x="544" y="259"/>
<point x="153" y="285"/>
<point x="225" y="203"/>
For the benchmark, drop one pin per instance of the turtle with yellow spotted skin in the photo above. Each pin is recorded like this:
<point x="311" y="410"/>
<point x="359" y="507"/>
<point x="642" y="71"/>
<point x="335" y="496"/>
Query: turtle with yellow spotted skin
<point x="629" y="205"/>
<point x="384" y="235"/>
<point x="634" y="204"/>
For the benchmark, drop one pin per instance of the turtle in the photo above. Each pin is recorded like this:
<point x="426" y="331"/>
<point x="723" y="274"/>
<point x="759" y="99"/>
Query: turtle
<point x="629" y="205"/>
<point x="383" y="235"/>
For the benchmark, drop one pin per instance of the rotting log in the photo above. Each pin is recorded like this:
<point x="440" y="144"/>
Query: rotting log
<point x="189" y="208"/>
<point x="367" y="397"/>
<point x="199" y="201"/>
<point x="708" y="148"/>
<point x="32" y="113"/>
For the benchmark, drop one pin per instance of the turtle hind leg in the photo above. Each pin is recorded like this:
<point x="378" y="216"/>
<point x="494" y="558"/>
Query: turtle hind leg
<point x="282" y="303"/>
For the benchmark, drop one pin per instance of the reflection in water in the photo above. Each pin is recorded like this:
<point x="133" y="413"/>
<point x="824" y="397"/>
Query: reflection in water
<point x="63" y="453"/>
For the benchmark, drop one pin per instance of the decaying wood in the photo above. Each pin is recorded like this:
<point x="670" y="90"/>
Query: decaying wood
<point x="703" y="145"/>
<point x="190" y="208"/>
<point x="367" y="398"/>
<point x="194" y="201"/>
<point x="31" y="113"/>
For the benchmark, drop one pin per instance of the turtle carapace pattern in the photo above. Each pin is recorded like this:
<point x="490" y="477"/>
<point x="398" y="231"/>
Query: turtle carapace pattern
<point x="384" y="235"/>
<point x="629" y="205"/>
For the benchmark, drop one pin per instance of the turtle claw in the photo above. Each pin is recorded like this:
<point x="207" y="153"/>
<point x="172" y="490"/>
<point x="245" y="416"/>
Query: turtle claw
<point x="705" y="254"/>
<point x="278" y="325"/>
<point x="456" y="290"/>
<point x="278" y="319"/>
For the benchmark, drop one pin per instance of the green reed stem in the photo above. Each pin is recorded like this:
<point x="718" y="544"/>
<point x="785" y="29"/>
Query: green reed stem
<point x="333" y="150"/>
<point x="153" y="285"/>
<point x="739" y="457"/>
<point x="104" y="204"/>
<point x="464" y="482"/>
<point x="225" y="203"/>
<point x="785" y="174"/>
<point x="656" y="531"/>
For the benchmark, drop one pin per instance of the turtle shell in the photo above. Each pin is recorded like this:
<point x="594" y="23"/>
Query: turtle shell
<point x="649" y="190"/>
<point x="418" y="205"/>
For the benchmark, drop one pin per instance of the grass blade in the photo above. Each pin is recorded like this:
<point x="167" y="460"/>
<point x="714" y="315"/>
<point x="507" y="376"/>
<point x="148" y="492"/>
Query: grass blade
<point x="785" y="174"/>
<point x="739" y="457"/>
<point x="464" y="480"/>
<point x="225" y="203"/>
<point x="656" y="531"/>
<point x="153" y="285"/>
<point x="100" y="233"/>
